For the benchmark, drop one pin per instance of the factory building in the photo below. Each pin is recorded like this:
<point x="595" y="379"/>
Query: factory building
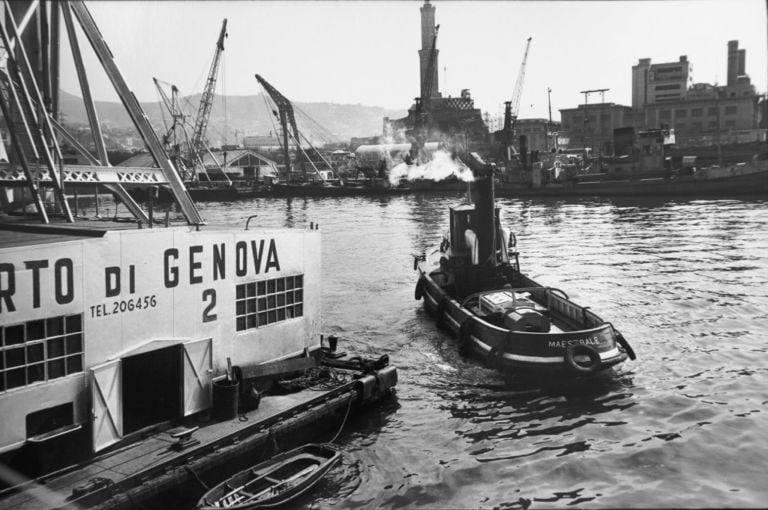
<point x="701" y="114"/>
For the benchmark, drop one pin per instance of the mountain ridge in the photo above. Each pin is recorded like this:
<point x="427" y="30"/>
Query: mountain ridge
<point x="241" y="116"/>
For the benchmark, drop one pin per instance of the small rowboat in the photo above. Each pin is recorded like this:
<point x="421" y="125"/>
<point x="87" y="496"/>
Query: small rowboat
<point x="273" y="482"/>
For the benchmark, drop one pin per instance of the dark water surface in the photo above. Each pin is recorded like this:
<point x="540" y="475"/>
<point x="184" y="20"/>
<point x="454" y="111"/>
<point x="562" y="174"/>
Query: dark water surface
<point x="685" y="425"/>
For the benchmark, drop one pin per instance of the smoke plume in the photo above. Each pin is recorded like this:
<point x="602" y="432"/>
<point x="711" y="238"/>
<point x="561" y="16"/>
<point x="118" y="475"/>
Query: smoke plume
<point x="440" y="167"/>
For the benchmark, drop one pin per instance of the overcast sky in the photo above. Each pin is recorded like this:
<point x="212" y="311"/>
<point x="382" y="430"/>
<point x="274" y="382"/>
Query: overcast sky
<point x="366" y="51"/>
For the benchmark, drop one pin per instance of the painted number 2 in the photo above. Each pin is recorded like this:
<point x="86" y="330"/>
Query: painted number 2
<point x="209" y="295"/>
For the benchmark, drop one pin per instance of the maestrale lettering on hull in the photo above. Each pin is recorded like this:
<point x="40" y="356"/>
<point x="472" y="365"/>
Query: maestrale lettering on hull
<point x="562" y="344"/>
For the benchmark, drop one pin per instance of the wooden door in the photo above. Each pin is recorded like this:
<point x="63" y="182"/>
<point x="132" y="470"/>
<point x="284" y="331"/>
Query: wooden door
<point x="198" y="370"/>
<point x="107" y="404"/>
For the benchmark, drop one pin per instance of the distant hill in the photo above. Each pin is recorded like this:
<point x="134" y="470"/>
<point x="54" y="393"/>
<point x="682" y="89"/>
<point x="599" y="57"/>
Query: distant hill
<point x="245" y="115"/>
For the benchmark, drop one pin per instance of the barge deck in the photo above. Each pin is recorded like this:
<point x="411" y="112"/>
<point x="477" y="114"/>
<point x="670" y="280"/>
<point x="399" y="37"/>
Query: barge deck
<point x="150" y="472"/>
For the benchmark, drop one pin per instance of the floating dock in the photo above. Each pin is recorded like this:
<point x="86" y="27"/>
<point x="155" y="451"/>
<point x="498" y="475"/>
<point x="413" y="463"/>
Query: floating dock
<point x="154" y="472"/>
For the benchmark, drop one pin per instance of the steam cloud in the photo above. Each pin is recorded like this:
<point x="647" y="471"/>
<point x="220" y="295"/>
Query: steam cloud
<point x="440" y="167"/>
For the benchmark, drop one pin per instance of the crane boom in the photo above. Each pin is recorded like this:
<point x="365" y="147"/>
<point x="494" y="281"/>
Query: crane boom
<point x="287" y="116"/>
<point x="518" y="92"/>
<point x="206" y="101"/>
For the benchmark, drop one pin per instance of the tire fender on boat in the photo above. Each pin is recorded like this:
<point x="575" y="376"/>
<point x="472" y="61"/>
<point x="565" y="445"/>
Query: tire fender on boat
<point x="465" y="336"/>
<point x="623" y="342"/>
<point x="419" y="292"/>
<point x="580" y="349"/>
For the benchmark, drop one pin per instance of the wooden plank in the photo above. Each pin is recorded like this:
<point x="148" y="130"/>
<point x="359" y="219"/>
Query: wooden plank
<point x="278" y="367"/>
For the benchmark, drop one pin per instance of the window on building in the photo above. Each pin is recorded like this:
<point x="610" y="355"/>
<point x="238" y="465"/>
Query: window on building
<point x="665" y="114"/>
<point x="605" y="118"/>
<point x="680" y="125"/>
<point x="730" y="123"/>
<point x="696" y="112"/>
<point x="258" y="304"/>
<point x="731" y="110"/>
<point x="696" y="126"/>
<point x="712" y="110"/>
<point x="680" y="113"/>
<point x="577" y="120"/>
<point x="713" y="123"/>
<point x="40" y="350"/>
<point x="675" y="86"/>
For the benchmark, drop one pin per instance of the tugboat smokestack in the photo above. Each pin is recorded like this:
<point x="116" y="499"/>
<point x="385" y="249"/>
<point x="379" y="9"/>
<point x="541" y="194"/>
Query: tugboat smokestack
<point x="485" y="208"/>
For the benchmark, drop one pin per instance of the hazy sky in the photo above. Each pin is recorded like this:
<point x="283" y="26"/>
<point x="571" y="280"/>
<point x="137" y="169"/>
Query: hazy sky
<point x="366" y="51"/>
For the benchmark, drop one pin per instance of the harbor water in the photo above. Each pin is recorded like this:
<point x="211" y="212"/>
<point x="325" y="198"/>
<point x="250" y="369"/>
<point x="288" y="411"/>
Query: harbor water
<point x="685" y="425"/>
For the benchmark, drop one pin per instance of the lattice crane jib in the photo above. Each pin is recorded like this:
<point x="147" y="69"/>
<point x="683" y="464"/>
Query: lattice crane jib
<point x="288" y="119"/>
<point x="28" y="94"/>
<point x="518" y="91"/>
<point x="206" y="100"/>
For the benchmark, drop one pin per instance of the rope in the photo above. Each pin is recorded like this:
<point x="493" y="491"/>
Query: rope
<point x="205" y="486"/>
<point x="344" y="422"/>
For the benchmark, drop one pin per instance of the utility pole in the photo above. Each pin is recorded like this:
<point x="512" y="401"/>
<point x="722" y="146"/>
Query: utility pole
<point x="717" y="127"/>
<point x="549" y="124"/>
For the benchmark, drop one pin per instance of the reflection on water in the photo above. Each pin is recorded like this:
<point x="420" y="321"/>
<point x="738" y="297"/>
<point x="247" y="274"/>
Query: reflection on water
<point x="683" y="426"/>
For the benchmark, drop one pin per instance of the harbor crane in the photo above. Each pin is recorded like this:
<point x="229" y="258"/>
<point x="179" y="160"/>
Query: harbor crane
<point x="190" y="163"/>
<point x="518" y="92"/>
<point x="286" y="116"/>
<point x="206" y="101"/>
<point x="511" y="108"/>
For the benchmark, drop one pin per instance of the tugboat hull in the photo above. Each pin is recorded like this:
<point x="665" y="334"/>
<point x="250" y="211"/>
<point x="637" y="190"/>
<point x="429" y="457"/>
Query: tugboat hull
<point x="473" y="286"/>
<point x="578" y="352"/>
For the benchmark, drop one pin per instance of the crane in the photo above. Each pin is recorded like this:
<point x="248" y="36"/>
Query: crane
<point x="206" y="100"/>
<point x="518" y="92"/>
<point x="170" y="139"/>
<point x="511" y="108"/>
<point x="286" y="116"/>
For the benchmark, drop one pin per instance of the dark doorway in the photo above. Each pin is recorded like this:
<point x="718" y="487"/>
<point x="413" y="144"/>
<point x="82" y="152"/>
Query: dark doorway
<point x="153" y="386"/>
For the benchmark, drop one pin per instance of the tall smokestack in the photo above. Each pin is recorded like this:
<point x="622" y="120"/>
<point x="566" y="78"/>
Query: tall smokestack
<point x="742" y="62"/>
<point x="427" y="36"/>
<point x="733" y="61"/>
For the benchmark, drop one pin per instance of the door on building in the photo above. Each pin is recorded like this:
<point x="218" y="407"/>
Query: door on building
<point x="106" y="399"/>
<point x="153" y="387"/>
<point x="198" y="370"/>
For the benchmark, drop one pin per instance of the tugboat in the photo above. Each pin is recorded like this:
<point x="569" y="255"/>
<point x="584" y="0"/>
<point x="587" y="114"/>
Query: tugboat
<point x="473" y="286"/>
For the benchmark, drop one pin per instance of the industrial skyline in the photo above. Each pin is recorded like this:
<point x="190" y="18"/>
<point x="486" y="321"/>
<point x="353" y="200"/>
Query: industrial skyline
<point x="367" y="52"/>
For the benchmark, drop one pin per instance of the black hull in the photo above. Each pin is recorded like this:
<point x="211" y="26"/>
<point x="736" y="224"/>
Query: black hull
<point x="310" y="190"/>
<point x="519" y="353"/>
<point x="755" y="183"/>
